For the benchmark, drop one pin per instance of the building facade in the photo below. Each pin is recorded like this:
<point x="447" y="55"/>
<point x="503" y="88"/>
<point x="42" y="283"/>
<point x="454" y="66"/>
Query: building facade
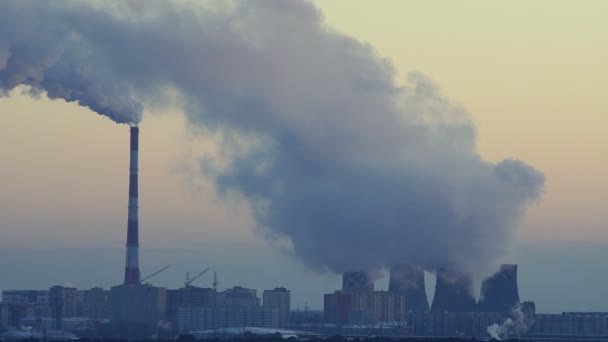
<point x="140" y="304"/>
<point x="278" y="299"/>
<point x="368" y="308"/>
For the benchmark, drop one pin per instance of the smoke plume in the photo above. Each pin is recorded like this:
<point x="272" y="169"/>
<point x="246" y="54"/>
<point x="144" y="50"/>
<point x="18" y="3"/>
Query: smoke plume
<point x="357" y="171"/>
<point x="514" y="327"/>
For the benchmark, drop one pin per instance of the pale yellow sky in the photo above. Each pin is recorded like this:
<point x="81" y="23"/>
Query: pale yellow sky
<point x="532" y="74"/>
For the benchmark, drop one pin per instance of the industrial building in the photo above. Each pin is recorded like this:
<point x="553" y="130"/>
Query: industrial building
<point x="499" y="292"/>
<point x="408" y="280"/>
<point x="453" y="292"/>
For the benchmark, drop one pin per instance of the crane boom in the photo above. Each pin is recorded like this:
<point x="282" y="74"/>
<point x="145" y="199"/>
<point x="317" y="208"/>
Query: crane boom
<point x="189" y="281"/>
<point x="154" y="274"/>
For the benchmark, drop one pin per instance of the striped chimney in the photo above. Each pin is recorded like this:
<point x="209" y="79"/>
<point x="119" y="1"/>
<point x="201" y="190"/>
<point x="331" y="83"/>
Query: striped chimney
<point x="132" y="276"/>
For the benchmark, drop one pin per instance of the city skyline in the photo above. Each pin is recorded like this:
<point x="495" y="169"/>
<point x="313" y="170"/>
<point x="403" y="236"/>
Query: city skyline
<point x="83" y="159"/>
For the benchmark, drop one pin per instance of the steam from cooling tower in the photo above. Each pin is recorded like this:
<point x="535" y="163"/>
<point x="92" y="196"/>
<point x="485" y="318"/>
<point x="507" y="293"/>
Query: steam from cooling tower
<point x="356" y="171"/>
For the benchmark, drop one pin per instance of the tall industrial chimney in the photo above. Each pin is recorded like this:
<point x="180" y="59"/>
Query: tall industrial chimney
<point x="132" y="260"/>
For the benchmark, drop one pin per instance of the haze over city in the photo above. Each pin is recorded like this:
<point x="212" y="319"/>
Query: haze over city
<point x="521" y="86"/>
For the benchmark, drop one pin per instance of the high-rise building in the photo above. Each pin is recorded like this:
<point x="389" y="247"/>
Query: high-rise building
<point x="36" y="299"/>
<point x="96" y="304"/>
<point x="408" y="279"/>
<point x="279" y="299"/>
<point x="189" y="296"/>
<point x="234" y="307"/>
<point x="238" y="297"/>
<point x="64" y="302"/>
<point x="357" y="282"/>
<point x="11" y="314"/>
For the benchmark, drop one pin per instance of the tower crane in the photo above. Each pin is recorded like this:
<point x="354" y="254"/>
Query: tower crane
<point x="153" y="274"/>
<point x="190" y="280"/>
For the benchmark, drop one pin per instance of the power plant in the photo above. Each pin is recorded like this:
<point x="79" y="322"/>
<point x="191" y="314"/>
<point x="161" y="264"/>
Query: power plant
<point x="408" y="279"/>
<point x="499" y="292"/>
<point x="132" y="274"/>
<point x="453" y="292"/>
<point x="355" y="282"/>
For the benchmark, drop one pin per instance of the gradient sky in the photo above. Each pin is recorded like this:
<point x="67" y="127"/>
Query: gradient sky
<point x="532" y="74"/>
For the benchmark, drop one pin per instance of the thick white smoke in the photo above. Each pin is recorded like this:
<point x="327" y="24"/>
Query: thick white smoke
<point x="356" y="171"/>
<point x="514" y="327"/>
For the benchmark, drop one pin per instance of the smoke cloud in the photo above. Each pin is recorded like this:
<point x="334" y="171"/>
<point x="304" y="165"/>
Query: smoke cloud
<point x="355" y="170"/>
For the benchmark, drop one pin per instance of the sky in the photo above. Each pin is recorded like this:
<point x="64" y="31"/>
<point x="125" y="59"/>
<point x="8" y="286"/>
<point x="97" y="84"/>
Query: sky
<point x="530" y="74"/>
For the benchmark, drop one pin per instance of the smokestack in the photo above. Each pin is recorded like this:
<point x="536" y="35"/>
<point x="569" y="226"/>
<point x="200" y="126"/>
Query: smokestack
<point x="408" y="279"/>
<point x="132" y="260"/>
<point x="357" y="282"/>
<point x="499" y="292"/>
<point x="453" y="292"/>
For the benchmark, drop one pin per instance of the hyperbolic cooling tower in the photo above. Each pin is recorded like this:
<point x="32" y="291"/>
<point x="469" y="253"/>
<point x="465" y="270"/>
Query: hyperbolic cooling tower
<point x="132" y="261"/>
<point x="357" y="282"/>
<point x="453" y="292"/>
<point x="409" y="280"/>
<point x="499" y="292"/>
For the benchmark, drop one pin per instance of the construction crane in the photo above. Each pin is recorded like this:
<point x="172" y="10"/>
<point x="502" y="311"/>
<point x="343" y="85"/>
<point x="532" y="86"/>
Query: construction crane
<point x="215" y="282"/>
<point x="153" y="274"/>
<point x="190" y="280"/>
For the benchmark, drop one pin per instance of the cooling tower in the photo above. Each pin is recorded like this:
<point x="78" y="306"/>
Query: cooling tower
<point x="499" y="292"/>
<point x="453" y="292"/>
<point x="409" y="280"/>
<point x="357" y="282"/>
<point x="132" y="260"/>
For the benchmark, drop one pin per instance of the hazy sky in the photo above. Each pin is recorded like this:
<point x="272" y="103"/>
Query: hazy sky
<point x="532" y="74"/>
